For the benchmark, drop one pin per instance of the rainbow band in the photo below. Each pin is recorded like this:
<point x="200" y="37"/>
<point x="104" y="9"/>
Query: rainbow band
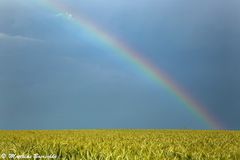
<point x="123" y="51"/>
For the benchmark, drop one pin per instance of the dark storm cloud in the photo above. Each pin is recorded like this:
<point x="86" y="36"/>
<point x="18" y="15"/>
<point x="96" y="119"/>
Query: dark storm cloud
<point x="53" y="75"/>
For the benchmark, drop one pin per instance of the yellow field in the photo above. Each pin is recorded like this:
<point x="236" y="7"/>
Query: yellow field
<point x="121" y="144"/>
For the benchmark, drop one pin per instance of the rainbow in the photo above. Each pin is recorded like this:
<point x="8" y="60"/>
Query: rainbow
<point x="133" y="57"/>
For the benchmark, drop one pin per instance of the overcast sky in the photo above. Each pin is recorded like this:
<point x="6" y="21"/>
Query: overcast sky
<point x="54" y="75"/>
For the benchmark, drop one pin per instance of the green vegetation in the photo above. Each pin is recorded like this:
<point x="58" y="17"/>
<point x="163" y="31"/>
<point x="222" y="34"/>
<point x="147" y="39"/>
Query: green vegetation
<point x="123" y="144"/>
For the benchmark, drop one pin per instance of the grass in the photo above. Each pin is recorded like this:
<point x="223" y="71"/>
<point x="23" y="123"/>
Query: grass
<point x="123" y="144"/>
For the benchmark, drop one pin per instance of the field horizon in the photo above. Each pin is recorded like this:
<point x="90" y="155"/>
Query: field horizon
<point x="120" y="144"/>
<point x="111" y="129"/>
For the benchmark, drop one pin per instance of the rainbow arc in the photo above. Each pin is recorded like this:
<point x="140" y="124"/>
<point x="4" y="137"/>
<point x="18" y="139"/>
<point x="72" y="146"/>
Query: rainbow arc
<point x="134" y="57"/>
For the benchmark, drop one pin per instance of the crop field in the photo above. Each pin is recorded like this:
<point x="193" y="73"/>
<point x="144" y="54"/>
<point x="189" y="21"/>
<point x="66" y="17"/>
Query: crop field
<point x="120" y="144"/>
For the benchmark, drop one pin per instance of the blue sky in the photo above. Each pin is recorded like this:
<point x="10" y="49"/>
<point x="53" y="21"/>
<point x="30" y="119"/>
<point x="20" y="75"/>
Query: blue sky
<point x="54" y="75"/>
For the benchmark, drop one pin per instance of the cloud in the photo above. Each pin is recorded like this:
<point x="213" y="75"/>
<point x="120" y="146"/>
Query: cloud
<point x="66" y="14"/>
<point x="4" y="36"/>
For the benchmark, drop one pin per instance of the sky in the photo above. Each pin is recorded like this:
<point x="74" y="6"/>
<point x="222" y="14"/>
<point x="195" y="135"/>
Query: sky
<point x="55" y="75"/>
